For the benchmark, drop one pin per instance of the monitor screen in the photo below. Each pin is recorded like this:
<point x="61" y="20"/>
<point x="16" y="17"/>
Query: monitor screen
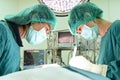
<point x="33" y="58"/>
<point x="65" y="37"/>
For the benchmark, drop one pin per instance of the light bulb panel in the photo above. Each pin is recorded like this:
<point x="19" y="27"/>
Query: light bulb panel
<point x="61" y="7"/>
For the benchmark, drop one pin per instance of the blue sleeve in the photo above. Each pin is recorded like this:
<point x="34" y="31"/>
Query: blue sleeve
<point x="113" y="71"/>
<point x="9" y="51"/>
<point x="2" y="38"/>
<point x="116" y="32"/>
<point x="110" y="51"/>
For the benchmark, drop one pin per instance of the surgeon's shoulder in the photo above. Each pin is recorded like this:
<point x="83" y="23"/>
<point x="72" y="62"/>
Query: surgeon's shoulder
<point x="116" y="23"/>
<point x="115" y="27"/>
<point x="3" y="28"/>
<point x="2" y="25"/>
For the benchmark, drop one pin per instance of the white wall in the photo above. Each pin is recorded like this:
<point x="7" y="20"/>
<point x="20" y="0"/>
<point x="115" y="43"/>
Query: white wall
<point x="8" y="7"/>
<point x="26" y="3"/>
<point x="110" y="8"/>
<point x="114" y="10"/>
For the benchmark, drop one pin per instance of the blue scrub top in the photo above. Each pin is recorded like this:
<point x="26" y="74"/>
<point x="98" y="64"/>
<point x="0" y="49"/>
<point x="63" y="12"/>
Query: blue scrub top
<point x="9" y="50"/>
<point x="110" y="51"/>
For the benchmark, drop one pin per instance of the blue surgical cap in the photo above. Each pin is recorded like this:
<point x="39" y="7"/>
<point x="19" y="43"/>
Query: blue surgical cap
<point x="81" y="14"/>
<point x="36" y="13"/>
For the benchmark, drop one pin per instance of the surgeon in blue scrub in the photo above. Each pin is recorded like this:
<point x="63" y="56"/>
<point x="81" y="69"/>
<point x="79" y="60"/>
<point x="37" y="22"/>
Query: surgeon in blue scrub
<point x="86" y="20"/>
<point x="33" y="23"/>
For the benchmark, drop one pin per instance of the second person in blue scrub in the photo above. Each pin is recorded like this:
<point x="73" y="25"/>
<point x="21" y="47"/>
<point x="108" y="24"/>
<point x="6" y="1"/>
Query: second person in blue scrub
<point x="86" y="20"/>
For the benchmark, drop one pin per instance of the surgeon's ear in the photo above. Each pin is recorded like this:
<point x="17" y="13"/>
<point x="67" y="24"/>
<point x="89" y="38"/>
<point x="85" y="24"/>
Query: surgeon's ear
<point x="48" y="29"/>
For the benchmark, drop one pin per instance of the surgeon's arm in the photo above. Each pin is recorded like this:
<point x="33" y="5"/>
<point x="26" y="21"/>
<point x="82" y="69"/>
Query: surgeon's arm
<point x="113" y="70"/>
<point x="2" y="46"/>
<point x="2" y="39"/>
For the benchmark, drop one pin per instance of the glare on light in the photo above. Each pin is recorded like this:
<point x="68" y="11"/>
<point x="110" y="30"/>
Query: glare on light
<point x="60" y="6"/>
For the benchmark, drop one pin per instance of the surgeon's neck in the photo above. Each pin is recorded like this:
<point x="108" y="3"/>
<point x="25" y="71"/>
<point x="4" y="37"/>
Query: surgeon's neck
<point x="103" y="26"/>
<point x="23" y="30"/>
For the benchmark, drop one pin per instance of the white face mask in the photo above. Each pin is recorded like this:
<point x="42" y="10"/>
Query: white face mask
<point x="90" y="33"/>
<point x="36" y="37"/>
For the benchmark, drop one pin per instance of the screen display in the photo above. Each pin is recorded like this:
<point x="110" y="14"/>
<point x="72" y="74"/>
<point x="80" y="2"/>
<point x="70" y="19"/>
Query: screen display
<point x="33" y="57"/>
<point x="65" y="37"/>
